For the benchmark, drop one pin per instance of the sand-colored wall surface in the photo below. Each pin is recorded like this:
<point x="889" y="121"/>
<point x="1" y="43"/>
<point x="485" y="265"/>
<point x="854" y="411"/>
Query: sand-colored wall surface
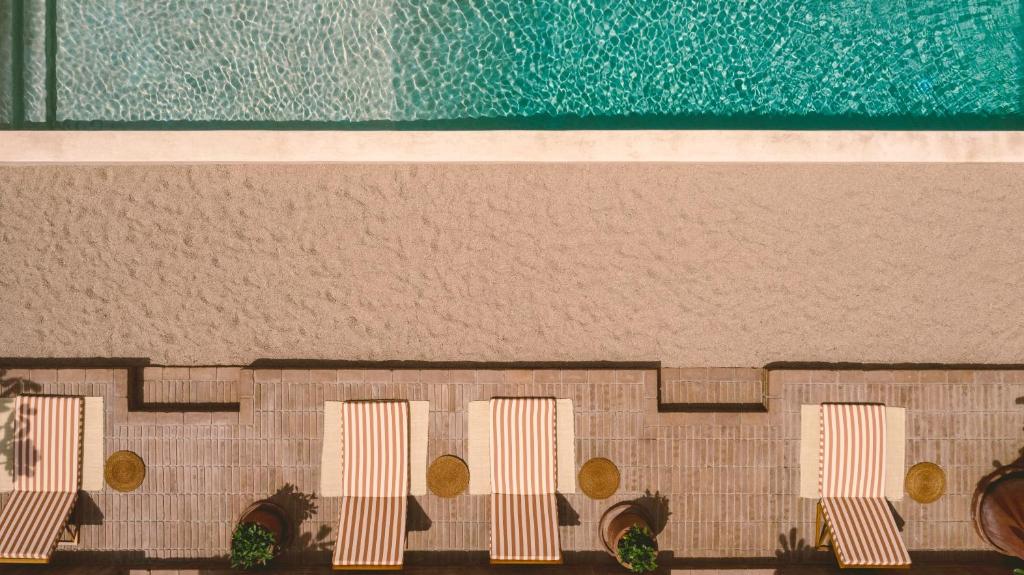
<point x="688" y="264"/>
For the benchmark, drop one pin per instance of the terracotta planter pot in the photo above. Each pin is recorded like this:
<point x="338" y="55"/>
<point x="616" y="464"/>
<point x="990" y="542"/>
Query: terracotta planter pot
<point x="996" y="509"/>
<point x="271" y="517"/>
<point x="616" y="521"/>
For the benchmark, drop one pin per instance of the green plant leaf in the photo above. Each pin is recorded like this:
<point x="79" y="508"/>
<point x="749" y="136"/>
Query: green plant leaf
<point x="252" y="546"/>
<point x="638" y="550"/>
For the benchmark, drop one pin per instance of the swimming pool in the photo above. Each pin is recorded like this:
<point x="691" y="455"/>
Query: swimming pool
<point x="940" y="64"/>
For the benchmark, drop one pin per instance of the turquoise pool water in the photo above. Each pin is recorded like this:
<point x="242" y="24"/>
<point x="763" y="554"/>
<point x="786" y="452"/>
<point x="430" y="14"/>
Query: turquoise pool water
<point x="519" y="63"/>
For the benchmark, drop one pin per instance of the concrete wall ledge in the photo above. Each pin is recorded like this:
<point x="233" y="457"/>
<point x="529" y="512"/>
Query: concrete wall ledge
<point x="190" y="147"/>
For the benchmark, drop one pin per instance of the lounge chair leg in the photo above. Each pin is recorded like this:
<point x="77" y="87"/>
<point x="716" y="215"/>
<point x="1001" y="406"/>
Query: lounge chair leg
<point x="821" y="539"/>
<point x="69" y="535"/>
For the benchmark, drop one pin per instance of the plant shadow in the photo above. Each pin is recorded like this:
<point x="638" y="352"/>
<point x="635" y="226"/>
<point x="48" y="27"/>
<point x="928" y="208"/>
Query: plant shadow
<point x="14" y="437"/>
<point x="1019" y="461"/>
<point x="302" y="507"/>
<point x="656" y="506"/>
<point x="792" y="549"/>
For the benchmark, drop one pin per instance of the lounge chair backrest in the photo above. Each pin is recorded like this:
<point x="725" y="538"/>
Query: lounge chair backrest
<point x="47" y="443"/>
<point x="523" y="446"/>
<point x="852" y="460"/>
<point x="375" y="435"/>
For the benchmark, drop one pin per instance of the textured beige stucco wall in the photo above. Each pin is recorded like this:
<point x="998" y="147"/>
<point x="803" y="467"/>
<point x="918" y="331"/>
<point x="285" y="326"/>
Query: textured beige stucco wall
<point x="687" y="264"/>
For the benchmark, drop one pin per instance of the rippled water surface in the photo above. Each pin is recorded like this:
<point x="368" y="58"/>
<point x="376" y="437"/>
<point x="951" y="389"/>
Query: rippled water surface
<point x="400" y="60"/>
<point x="5" y="63"/>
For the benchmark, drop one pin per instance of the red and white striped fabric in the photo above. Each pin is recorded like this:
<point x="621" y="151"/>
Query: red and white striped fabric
<point x="523" y="446"/>
<point x="851" y="481"/>
<point x="372" y="532"/>
<point x="375" y="439"/>
<point x="31" y="524"/>
<point x="47" y="444"/>
<point x="524" y="527"/>
<point x="852" y="454"/>
<point x="375" y="484"/>
<point x="864" y="532"/>
<point x="524" y="514"/>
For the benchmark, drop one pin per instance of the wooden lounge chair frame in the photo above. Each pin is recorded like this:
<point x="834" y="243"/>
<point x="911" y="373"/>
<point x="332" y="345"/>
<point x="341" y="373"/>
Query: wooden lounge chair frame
<point x="560" y="560"/>
<point x="823" y="541"/>
<point x="824" y="535"/>
<point x="69" y="531"/>
<point x="363" y="567"/>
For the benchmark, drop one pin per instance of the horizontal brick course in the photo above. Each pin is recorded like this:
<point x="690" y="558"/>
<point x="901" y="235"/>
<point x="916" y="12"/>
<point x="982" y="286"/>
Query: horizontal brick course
<point x="712" y="386"/>
<point x="184" y="385"/>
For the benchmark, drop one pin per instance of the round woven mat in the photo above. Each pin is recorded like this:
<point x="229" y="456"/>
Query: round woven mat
<point x="926" y="482"/>
<point x="599" y="478"/>
<point x="448" y="476"/>
<point x="124" y="471"/>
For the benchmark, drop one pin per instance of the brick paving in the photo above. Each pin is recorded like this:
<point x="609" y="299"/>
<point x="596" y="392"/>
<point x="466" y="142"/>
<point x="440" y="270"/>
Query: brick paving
<point x="962" y="420"/>
<point x="729" y="480"/>
<point x="712" y="386"/>
<point x="190" y="385"/>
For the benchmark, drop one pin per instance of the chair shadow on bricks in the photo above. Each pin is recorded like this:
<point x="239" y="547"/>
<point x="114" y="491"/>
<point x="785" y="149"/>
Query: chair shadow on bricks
<point x="416" y="517"/>
<point x="87" y="512"/>
<point x="567" y="516"/>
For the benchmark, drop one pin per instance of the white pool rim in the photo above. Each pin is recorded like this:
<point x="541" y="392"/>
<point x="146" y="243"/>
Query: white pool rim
<point x="132" y="147"/>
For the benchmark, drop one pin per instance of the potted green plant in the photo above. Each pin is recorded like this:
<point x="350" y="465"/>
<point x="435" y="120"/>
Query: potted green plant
<point x="627" y="536"/>
<point x="637" y="550"/>
<point x="252" y="547"/>
<point x="261" y="533"/>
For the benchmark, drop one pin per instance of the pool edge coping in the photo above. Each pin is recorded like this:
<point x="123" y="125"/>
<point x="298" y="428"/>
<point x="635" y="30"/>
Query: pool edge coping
<point x="597" y="146"/>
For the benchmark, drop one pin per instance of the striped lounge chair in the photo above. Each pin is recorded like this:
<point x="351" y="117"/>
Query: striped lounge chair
<point x="853" y="512"/>
<point x="375" y="485"/>
<point x="524" y="513"/>
<point x="47" y="445"/>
